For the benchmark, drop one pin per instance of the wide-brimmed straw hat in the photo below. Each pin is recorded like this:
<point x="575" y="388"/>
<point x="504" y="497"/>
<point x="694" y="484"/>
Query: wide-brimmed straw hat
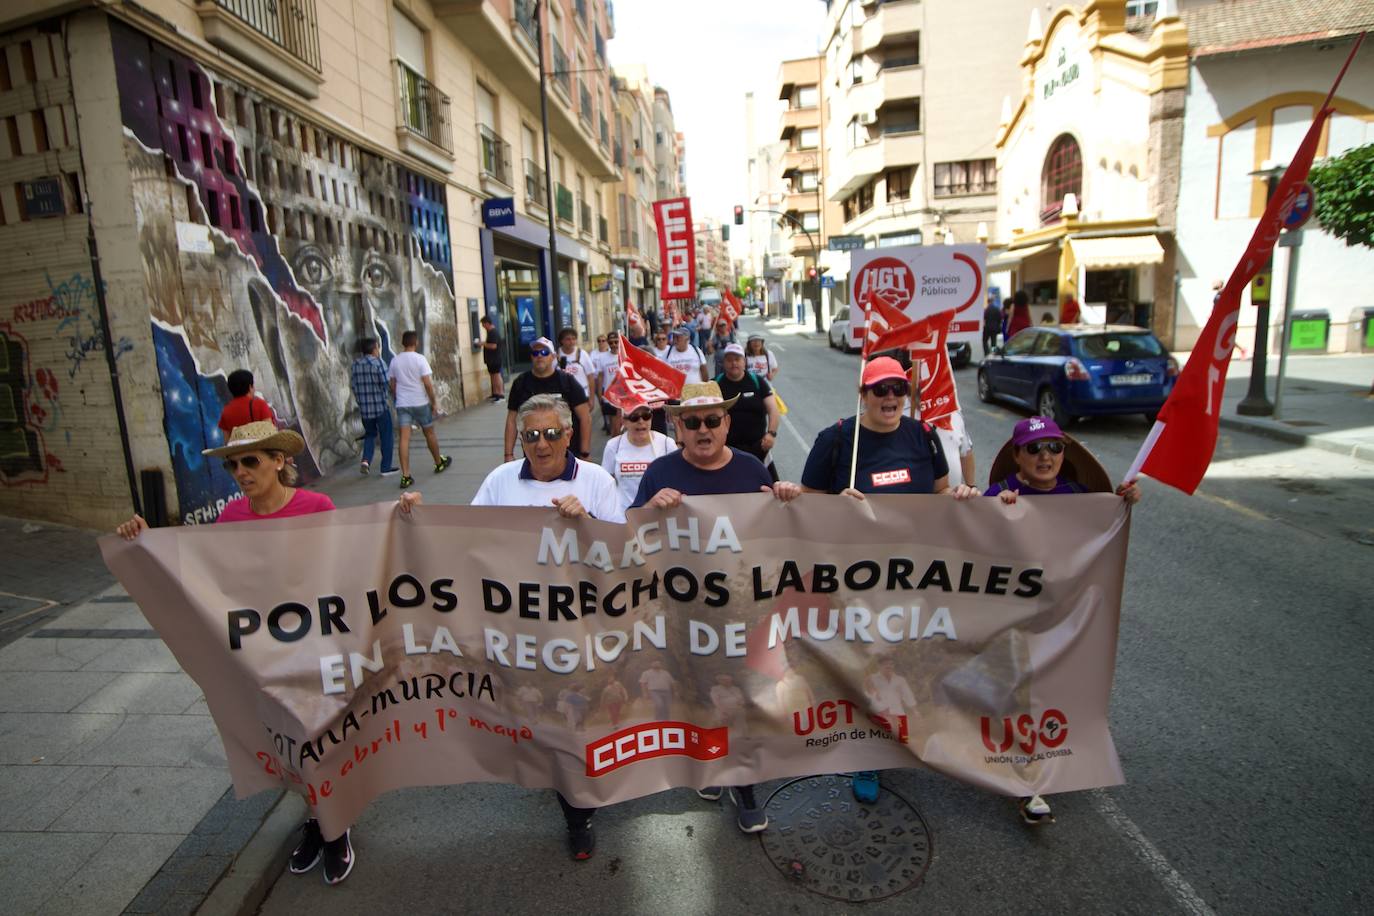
<point x="259" y="436"/>
<point x="1079" y="465"/>
<point x="696" y="395"/>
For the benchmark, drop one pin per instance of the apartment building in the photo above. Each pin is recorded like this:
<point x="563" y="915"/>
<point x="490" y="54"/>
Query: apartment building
<point x="764" y="190"/>
<point x="632" y="219"/>
<point x="803" y="208"/>
<point x="265" y="183"/>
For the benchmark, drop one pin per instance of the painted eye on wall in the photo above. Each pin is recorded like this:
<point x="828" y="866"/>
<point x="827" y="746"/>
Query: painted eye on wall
<point x="376" y="275"/>
<point x="312" y="267"/>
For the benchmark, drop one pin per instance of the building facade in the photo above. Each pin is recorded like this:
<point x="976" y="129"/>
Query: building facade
<point x="203" y="187"/>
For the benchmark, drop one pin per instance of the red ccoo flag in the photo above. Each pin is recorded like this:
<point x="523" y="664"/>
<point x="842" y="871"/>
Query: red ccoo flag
<point x="642" y="379"/>
<point x="1180" y="446"/>
<point x="730" y="309"/>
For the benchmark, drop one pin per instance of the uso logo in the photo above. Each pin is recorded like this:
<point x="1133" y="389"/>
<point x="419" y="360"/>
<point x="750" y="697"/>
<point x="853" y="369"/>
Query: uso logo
<point x="887" y="279"/>
<point x="656" y="739"/>
<point x="1052" y="731"/>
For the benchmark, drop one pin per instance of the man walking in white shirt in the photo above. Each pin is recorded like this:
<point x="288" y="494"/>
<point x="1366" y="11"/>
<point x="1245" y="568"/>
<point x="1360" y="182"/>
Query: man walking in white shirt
<point x="686" y="358"/>
<point x="576" y="361"/>
<point x="412" y="387"/>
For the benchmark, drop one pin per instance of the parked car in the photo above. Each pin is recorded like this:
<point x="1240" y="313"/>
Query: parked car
<point x="1080" y="370"/>
<point x="960" y="354"/>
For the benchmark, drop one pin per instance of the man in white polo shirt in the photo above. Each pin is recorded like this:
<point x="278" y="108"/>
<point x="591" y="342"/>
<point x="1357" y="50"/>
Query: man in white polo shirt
<point x="549" y="474"/>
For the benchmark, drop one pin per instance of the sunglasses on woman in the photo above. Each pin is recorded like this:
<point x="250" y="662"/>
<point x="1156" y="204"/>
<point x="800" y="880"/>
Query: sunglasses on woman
<point x="1053" y="446"/>
<point x="891" y="389"/>
<point x="639" y="416"/>
<point x="251" y="462"/>
<point x="712" y="422"/>
<point x="552" y="434"/>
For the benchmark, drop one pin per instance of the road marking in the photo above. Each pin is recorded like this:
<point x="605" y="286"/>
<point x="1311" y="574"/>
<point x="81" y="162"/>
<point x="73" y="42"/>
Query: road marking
<point x="787" y="424"/>
<point x="780" y="348"/>
<point x="1176" y="884"/>
<point x="1235" y="507"/>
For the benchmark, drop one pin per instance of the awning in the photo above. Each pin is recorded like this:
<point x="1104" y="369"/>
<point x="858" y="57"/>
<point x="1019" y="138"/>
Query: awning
<point x="1117" y="251"/>
<point x="1006" y="259"/>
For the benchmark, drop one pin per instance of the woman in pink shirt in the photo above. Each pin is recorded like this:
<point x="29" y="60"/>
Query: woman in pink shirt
<point x="255" y="454"/>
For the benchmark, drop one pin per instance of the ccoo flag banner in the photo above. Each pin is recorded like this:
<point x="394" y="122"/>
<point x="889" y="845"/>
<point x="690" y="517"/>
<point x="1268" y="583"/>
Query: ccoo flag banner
<point x="676" y="248"/>
<point x="732" y="640"/>
<point x="642" y="379"/>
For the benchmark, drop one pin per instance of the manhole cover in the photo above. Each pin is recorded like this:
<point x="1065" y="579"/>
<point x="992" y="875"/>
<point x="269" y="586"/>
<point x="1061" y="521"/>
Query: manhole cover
<point x="831" y="844"/>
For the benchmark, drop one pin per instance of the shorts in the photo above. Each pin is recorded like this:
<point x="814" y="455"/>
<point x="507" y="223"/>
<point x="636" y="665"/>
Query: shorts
<point x="608" y="409"/>
<point x="493" y="366"/>
<point x="421" y="416"/>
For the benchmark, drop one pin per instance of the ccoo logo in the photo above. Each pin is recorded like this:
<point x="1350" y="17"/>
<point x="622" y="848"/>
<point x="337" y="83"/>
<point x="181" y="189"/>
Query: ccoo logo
<point x="1052" y="732"/>
<point x="887" y="279"/>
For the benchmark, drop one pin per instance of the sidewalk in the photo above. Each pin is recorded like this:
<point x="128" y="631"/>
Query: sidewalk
<point x="1325" y="402"/>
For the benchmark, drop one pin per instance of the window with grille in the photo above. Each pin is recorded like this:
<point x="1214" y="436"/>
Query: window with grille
<point x="1063" y="174"/>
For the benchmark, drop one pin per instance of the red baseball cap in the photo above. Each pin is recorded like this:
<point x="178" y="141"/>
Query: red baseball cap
<point x="884" y="367"/>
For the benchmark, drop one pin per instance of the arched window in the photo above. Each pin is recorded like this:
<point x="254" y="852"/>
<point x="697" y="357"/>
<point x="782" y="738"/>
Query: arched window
<point x="1063" y="174"/>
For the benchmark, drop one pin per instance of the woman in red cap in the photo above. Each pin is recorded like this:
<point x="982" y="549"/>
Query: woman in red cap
<point x="896" y="454"/>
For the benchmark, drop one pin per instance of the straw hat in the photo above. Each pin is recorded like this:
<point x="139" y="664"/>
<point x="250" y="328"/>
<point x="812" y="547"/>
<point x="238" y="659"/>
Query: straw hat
<point x="259" y="436"/>
<point x="1079" y="465"/>
<point x="696" y="395"/>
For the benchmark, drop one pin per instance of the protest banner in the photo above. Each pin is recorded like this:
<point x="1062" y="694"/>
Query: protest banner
<point x="348" y="653"/>
<point x="922" y="280"/>
<point x="676" y="248"/>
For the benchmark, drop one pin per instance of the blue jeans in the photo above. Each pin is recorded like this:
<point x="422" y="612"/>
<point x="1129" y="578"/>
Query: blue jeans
<point x="379" y="425"/>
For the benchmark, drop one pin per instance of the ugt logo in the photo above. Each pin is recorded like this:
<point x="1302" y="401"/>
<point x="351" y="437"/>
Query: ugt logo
<point x="887" y="279"/>
<point x="1052" y="732"/>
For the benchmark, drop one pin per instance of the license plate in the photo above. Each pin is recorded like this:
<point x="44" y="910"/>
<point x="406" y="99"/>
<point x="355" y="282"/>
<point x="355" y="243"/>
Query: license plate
<point x="1139" y="378"/>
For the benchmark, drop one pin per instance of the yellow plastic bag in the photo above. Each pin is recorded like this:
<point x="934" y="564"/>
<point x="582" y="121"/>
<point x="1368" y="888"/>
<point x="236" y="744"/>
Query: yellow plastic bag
<point x="782" y="405"/>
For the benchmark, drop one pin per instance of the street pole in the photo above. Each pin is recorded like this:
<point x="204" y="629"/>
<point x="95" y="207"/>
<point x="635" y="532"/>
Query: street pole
<point x="815" y="257"/>
<point x="1290" y="291"/>
<point x="555" y="303"/>
<point x="1256" y="401"/>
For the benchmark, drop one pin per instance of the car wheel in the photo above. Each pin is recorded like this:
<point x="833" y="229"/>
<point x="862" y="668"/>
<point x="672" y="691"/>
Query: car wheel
<point x="984" y="387"/>
<point x="1047" y="405"/>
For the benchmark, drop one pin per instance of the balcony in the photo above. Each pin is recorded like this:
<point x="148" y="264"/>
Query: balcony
<point x="280" y="38"/>
<point x="584" y="104"/>
<point x="794" y="119"/>
<point x="801" y="245"/>
<point x="424" y="131"/>
<point x="802" y="202"/>
<point x="534" y="186"/>
<point x="527" y="29"/>
<point x="891" y="85"/>
<point x="886" y="151"/>
<point x="585" y="224"/>
<point x="800" y="160"/>
<point x="562" y="78"/>
<point x="563" y="202"/>
<point x="494" y="159"/>
<point x="894" y="23"/>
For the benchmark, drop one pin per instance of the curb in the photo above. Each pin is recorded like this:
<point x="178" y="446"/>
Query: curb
<point x="247" y="882"/>
<point x="1357" y="450"/>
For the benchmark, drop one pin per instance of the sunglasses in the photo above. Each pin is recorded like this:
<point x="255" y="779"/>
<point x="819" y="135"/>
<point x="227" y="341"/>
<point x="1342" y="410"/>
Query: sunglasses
<point x="1053" y="446"/>
<point x="891" y="389"/>
<point x="541" y="351"/>
<point x="601" y="340"/>
<point x="251" y="462"/>
<point x="552" y="434"/>
<point x="712" y="422"/>
<point x="639" y="416"/>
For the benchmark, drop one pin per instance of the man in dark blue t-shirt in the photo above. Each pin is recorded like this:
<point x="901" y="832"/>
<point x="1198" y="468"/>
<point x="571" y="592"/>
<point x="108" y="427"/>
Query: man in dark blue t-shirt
<point x="706" y="466"/>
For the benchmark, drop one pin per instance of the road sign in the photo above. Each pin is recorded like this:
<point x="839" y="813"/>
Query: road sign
<point x="827" y="282"/>
<point x="1291" y="239"/>
<point x="921" y="280"/>
<point x="1304" y="202"/>
<point x="845" y="242"/>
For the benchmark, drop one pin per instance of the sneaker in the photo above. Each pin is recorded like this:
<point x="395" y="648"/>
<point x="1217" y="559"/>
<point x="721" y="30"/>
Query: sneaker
<point x="710" y="793"/>
<point x="496" y="398"/>
<point x="866" y="786"/>
<point x="407" y="482"/>
<point x="364" y="468"/>
<point x="443" y="464"/>
<point x="1035" y="811"/>
<point x="306" y="855"/>
<point x="338" y="859"/>
<point x="581" y="842"/>
<point x="388" y="472"/>
<point x="750" y="820"/>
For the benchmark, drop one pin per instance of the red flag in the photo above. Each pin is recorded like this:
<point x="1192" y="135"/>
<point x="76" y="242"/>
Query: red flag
<point x="880" y="319"/>
<point x="633" y="318"/>
<point x="934" y="377"/>
<point x="730" y="309"/>
<point x="1180" y="446"/>
<point x="642" y="379"/>
<point x="676" y="248"/>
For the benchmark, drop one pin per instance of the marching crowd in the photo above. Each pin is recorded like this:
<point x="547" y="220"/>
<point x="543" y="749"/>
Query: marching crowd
<point x="717" y="437"/>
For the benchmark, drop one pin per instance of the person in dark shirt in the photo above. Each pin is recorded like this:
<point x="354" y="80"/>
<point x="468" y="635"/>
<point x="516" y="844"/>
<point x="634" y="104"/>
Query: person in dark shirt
<point x="491" y="357"/>
<point x="704" y="466"/>
<point x="545" y="378"/>
<point x="754" y="419"/>
<point x="992" y="324"/>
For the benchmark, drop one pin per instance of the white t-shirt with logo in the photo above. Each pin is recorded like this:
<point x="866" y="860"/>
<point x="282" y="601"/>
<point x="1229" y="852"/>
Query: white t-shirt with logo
<point x="627" y="462"/>
<point x="761" y="364"/>
<point x="688" y="362"/>
<point x="579" y="365"/>
<point x="955" y="442"/>
<point x="406" y="370"/>
<point x="602" y="360"/>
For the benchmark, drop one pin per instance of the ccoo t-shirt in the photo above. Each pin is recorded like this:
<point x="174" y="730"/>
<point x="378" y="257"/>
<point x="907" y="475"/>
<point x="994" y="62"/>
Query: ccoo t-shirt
<point x="906" y="460"/>
<point x="627" y="462"/>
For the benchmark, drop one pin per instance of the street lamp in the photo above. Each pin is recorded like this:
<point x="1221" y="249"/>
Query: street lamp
<point x="1256" y="402"/>
<point x="555" y="302"/>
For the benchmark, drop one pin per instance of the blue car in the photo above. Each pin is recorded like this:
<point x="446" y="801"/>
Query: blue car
<point x="1080" y="370"/>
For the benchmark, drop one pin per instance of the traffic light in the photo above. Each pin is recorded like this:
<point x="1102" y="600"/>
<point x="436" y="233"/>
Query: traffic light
<point x="725" y="233"/>
<point x="810" y="273"/>
<point x="739" y="215"/>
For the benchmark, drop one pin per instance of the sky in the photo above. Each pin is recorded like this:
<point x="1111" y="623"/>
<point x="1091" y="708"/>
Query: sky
<point x="708" y="54"/>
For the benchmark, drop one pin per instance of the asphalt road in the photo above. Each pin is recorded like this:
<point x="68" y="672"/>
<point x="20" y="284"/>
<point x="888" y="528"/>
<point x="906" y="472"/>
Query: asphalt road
<point x="1237" y="712"/>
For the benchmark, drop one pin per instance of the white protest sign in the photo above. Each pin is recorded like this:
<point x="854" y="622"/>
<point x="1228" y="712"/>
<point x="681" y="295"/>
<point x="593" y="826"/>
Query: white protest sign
<point x="921" y="280"/>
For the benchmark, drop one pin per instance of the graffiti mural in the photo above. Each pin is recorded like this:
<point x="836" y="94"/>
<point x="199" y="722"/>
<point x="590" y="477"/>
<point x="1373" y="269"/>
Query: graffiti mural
<point x="22" y="456"/>
<point x="270" y="243"/>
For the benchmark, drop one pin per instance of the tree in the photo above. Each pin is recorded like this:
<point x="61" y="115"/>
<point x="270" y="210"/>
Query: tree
<point x="1345" y="195"/>
<point x="743" y="285"/>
